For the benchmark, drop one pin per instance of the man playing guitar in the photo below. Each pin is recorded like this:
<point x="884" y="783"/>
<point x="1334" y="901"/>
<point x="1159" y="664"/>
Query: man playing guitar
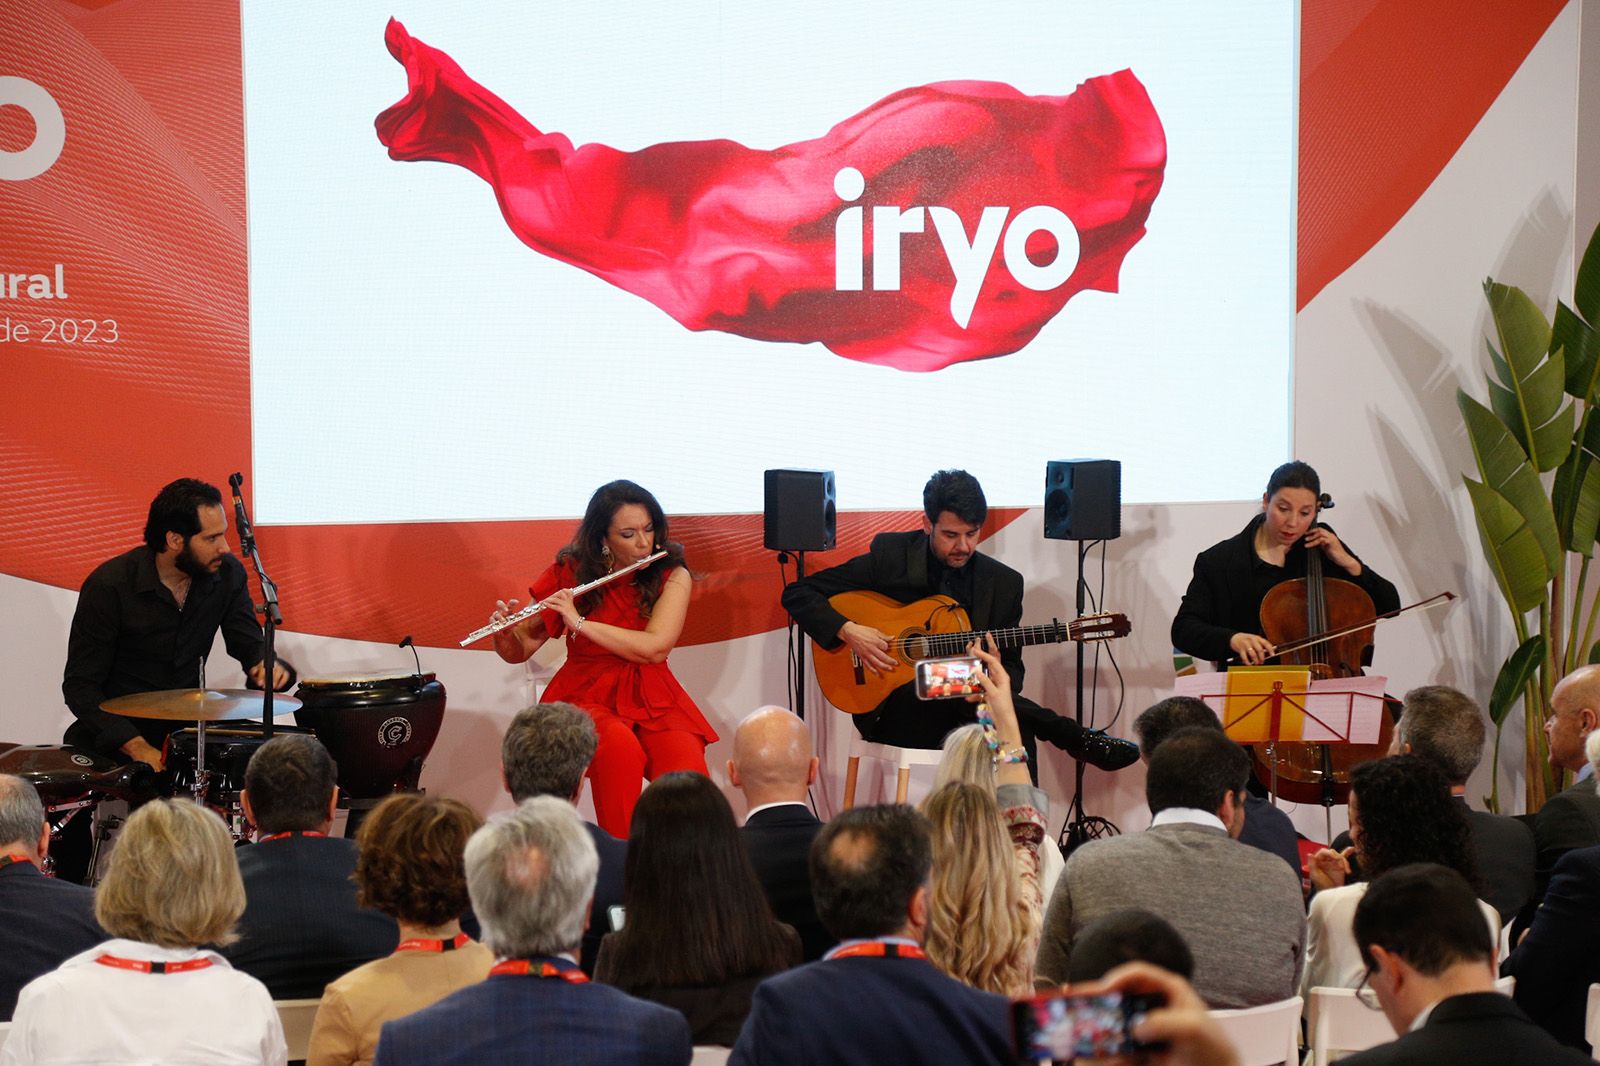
<point x="940" y="559"/>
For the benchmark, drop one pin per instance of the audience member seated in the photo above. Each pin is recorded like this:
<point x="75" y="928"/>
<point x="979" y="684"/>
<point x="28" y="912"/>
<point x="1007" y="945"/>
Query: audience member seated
<point x="966" y="757"/>
<point x="985" y="904"/>
<point x="530" y="873"/>
<point x="546" y="752"/>
<point x="1560" y="957"/>
<point x="1430" y="961"/>
<point x="153" y="994"/>
<point x="409" y="867"/>
<point x="1239" y="908"/>
<point x="302" y="926"/>
<point x="1190" y="1035"/>
<point x="43" y="921"/>
<point x="1265" y="826"/>
<point x="699" y="935"/>
<point x="874" y="998"/>
<point x="1400" y="812"/>
<point x="773" y="765"/>
<point x="1446" y="727"/>
<point x="1571" y="818"/>
<point x="1132" y="935"/>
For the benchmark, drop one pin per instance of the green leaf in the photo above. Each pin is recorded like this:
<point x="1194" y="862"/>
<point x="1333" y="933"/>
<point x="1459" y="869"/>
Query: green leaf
<point x="1575" y="493"/>
<point x="1580" y="347"/>
<point x="1511" y="476"/>
<point x="1511" y="548"/>
<point x="1586" y="292"/>
<point x="1515" y="673"/>
<point x="1594" y="652"/>
<point x="1543" y="420"/>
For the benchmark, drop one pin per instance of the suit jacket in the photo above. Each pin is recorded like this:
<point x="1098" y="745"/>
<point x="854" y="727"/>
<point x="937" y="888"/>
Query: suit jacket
<point x="1270" y="830"/>
<point x="872" y="1011"/>
<point x="779" y="842"/>
<point x="607" y="893"/>
<point x="1560" y="957"/>
<point x="43" y="923"/>
<point x="514" y="1020"/>
<point x="1570" y="819"/>
<point x="1238" y="908"/>
<point x="897" y="566"/>
<point x="1479" y="1027"/>
<point x="301" y="927"/>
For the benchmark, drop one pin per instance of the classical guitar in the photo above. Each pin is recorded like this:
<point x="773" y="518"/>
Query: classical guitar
<point x="931" y="628"/>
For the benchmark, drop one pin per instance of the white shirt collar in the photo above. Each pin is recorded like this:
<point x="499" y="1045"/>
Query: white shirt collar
<point x="1187" y="816"/>
<point x="753" y="811"/>
<point x="1423" y="1015"/>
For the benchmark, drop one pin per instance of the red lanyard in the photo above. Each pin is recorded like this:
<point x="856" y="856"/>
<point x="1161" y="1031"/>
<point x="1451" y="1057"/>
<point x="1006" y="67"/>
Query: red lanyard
<point x="525" y="968"/>
<point x="140" y="966"/>
<point x="418" y="944"/>
<point x="292" y="833"/>
<point x="877" y="949"/>
<point x="15" y="860"/>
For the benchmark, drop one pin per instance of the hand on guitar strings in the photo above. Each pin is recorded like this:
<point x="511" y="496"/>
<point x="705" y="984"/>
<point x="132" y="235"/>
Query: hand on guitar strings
<point x="870" y="646"/>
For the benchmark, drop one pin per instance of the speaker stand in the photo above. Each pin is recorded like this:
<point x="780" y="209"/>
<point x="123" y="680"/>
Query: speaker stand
<point x="800" y="647"/>
<point x="1079" y="828"/>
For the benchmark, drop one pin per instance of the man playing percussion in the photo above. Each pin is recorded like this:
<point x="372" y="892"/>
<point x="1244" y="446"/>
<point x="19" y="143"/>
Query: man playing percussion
<point x="147" y="618"/>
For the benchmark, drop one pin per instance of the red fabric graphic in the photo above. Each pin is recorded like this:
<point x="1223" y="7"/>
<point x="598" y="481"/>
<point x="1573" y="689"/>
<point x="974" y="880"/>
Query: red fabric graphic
<point x="738" y="239"/>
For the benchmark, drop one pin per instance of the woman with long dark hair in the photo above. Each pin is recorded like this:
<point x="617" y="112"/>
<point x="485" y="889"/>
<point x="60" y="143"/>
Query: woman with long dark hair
<point x="618" y="640"/>
<point x="1220" y="617"/>
<point x="699" y="935"/>
<point x="1401" y="812"/>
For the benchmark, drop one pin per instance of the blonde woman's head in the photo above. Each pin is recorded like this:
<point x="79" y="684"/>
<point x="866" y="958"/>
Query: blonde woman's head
<point x="977" y="927"/>
<point x="173" y="879"/>
<point x="966" y="758"/>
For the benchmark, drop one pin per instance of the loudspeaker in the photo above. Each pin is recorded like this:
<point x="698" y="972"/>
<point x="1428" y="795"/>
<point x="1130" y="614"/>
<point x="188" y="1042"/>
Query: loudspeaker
<point x="800" y="511"/>
<point x="1083" y="499"/>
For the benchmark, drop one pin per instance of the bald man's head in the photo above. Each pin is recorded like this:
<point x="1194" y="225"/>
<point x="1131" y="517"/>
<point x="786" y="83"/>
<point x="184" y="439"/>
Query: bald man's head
<point x="1574" y="714"/>
<point x="772" y="760"/>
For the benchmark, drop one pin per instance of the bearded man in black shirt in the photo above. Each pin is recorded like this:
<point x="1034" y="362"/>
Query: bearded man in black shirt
<point x="146" y="619"/>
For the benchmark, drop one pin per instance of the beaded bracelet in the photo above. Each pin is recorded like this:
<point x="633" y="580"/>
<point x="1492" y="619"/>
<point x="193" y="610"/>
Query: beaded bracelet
<point x="991" y="737"/>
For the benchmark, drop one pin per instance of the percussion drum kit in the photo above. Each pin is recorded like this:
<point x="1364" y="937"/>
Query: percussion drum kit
<point x="378" y="727"/>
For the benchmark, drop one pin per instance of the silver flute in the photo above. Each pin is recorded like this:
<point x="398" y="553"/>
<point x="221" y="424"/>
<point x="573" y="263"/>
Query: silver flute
<point x="534" y="608"/>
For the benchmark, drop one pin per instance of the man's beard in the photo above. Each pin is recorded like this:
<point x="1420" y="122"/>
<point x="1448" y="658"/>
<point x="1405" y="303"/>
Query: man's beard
<point x="189" y="564"/>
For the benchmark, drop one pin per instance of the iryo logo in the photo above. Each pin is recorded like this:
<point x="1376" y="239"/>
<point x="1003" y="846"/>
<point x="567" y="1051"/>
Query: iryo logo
<point x="969" y="260"/>
<point x="50" y="130"/>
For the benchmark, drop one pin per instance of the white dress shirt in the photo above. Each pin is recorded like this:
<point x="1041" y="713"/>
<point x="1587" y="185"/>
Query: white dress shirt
<point x="1332" y="958"/>
<point x="87" y="1012"/>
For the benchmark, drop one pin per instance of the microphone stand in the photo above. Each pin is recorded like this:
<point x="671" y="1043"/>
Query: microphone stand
<point x="271" y="616"/>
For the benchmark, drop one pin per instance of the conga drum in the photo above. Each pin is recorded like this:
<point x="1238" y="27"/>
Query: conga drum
<point x="378" y="727"/>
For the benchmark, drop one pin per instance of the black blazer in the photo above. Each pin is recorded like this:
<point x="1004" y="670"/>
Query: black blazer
<point x="778" y="840"/>
<point x="607" y="892"/>
<point x="1271" y="830"/>
<point x="301" y="927"/>
<point x="1230" y="580"/>
<point x="1480" y="1027"/>
<point x="1560" y="957"/>
<point x="897" y="566"/>
<point x="43" y="923"/>
<point x="873" y="1011"/>
<point x="1570" y="819"/>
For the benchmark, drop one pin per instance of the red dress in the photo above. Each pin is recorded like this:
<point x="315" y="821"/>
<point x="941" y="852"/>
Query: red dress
<point x="646" y="695"/>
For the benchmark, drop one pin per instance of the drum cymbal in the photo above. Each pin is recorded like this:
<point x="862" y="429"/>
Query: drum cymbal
<point x="199" y="705"/>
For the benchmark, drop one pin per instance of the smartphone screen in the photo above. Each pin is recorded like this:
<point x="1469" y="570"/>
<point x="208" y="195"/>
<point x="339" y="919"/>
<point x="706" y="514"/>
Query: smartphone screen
<point x="1062" y="1027"/>
<point x="942" y="679"/>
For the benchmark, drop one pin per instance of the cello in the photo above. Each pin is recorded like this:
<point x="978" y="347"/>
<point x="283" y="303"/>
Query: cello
<point x="1295" y="615"/>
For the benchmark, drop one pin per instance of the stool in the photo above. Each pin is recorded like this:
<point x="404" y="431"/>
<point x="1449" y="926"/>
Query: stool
<point x="902" y="758"/>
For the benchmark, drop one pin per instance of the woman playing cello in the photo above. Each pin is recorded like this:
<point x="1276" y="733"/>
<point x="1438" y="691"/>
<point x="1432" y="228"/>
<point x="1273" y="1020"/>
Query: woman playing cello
<point x="1220" y="617"/>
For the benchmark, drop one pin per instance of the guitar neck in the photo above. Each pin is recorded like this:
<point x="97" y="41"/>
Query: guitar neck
<point x="941" y="645"/>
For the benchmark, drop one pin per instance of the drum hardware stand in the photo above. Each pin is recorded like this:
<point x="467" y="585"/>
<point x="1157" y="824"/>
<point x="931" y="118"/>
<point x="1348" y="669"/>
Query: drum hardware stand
<point x="271" y="616"/>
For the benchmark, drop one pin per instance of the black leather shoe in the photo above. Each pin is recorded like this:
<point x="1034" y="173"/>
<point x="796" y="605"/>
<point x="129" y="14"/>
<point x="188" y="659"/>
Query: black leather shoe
<point x="1102" y="750"/>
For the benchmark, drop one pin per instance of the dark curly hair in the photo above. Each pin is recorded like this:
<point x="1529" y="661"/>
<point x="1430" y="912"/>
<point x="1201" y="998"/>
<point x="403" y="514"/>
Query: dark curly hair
<point x="409" y="866"/>
<point x="590" y="563"/>
<point x="1406" y="815"/>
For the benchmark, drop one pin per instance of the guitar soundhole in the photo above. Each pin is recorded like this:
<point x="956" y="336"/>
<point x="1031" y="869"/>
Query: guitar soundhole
<point x="916" y="648"/>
